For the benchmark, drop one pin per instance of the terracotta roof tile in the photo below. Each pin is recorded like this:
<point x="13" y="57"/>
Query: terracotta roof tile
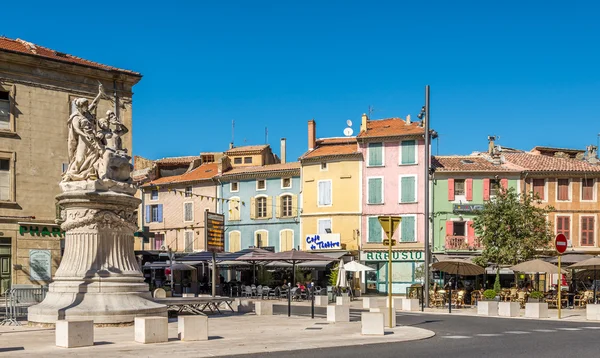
<point x="390" y="127"/>
<point x="469" y="163"/>
<point x="29" y="48"/>
<point x="263" y="168"/>
<point x="333" y="147"/>
<point x="543" y="163"/>
<point x="186" y="160"/>
<point x="247" y="148"/>
<point x="203" y="172"/>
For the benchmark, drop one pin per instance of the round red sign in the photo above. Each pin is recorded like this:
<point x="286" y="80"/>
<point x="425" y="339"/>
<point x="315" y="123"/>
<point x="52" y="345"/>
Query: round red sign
<point x="561" y="243"/>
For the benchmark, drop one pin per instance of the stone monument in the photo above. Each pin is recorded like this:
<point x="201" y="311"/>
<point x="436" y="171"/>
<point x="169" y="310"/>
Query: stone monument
<point x="98" y="277"/>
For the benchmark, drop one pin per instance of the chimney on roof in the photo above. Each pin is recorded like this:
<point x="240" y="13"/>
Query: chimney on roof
<point x="491" y="145"/>
<point x="231" y="145"/>
<point x="363" y="122"/>
<point x="408" y="119"/>
<point x="592" y="154"/>
<point x="312" y="134"/>
<point x="282" y="151"/>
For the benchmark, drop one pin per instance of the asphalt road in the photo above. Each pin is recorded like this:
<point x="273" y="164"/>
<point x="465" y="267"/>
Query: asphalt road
<point x="465" y="336"/>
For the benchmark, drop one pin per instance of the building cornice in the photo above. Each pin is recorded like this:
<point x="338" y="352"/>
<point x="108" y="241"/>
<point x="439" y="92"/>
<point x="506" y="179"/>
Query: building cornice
<point x="341" y="157"/>
<point x="261" y="175"/>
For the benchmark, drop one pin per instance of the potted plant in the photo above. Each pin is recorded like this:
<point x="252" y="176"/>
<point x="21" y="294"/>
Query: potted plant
<point x="488" y="306"/>
<point x="490" y="295"/>
<point x="535" y="296"/>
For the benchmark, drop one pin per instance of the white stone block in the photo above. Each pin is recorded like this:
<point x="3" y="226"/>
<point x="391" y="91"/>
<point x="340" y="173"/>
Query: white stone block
<point x="73" y="334"/>
<point x="396" y="303"/>
<point x="372" y="323"/>
<point x="509" y="309"/>
<point x="192" y="328"/>
<point x="342" y="300"/>
<point x="372" y="302"/>
<point x="386" y="315"/>
<point x="321" y="301"/>
<point x="487" y="308"/>
<point x="536" y="310"/>
<point x="151" y="329"/>
<point x="338" y="313"/>
<point x="242" y="305"/>
<point x="592" y="312"/>
<point x="410" y="304"/>
<point x="188" y="295"/>
<point x="263" y="308"/>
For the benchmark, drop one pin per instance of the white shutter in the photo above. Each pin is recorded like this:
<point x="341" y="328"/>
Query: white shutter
<point x="324" y="224"/>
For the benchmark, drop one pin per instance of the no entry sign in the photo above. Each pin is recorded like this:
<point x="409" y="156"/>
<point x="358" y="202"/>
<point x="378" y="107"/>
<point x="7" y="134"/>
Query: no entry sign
<point x="561" y="243"/>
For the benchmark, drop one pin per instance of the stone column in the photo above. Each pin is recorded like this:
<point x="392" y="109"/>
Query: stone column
<point x="99" y="277"/>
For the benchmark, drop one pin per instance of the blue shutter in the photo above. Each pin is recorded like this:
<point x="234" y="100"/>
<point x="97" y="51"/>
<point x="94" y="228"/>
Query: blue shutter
<point x="408" y="229"/>
<point x="408" y="152"/>
<point x="375" y="191"/>
<point x="375" y="154"/>
<point x="375" y="234"/>
<point x="407" y="188"/>
<point x="148" y="214"/>
<point x="160" y="213"/>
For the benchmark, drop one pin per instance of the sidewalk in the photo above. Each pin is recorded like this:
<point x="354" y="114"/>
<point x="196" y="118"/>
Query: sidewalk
<point x="228" y="334"/>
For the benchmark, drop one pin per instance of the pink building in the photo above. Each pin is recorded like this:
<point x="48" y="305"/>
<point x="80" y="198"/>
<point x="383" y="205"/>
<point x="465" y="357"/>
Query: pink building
<point x="392" y="184"/>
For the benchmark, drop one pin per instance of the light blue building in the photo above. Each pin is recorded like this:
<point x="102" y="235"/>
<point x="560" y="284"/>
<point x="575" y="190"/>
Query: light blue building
<point x="262" y="210"/>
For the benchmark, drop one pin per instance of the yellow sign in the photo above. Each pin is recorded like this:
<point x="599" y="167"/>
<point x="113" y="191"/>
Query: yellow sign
<point x="385" y="224"/>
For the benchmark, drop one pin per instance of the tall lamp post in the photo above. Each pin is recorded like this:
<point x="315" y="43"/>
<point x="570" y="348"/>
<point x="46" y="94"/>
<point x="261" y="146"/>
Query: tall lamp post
<point x="425" y="113"/>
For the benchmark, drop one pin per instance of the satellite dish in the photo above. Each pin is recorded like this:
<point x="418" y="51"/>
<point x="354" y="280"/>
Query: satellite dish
<point x="348" y="132"/>
<point x="349" y="123"/>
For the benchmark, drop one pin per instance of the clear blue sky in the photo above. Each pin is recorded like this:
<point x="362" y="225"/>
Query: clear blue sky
<point x="528" y="71"/>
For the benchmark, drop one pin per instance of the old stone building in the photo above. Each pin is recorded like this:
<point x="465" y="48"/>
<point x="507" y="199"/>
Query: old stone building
<point x="37" y="87"/>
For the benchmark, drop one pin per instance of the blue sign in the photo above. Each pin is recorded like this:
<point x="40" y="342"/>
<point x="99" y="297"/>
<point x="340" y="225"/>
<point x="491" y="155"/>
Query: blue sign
<point x="323" y="242"/>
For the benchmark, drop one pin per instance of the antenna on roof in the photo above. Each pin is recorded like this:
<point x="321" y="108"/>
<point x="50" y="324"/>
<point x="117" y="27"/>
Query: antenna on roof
<point x="232" y="131"/>
<point x="371" y="110"/>
<point x="266" y="135"/>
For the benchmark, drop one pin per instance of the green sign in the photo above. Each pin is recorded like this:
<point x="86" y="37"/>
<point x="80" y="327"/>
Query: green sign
<point x="33" y="230"/>
<point x="398" y="256"/>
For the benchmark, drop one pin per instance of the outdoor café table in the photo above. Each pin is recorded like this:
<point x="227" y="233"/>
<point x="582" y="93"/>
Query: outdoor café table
<point x="195" y="305"/>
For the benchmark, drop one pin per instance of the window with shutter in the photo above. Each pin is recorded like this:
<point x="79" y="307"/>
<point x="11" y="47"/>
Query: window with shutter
<point x="234" y="187"/>
<point x="375" y="190"/>
<point x="563" y="226"/>
<point x="459" y="187"/>
<point x="154" y="194"/>
<point x="324" y="193"/>
<point x="235" y="242"/>
<point x="375" y="231"/>
<point x="538" y="188"/>
<point x="234" y="209"/>
<point x="587" y="189"/>
<point x="408" y="229"/>
<point x="409" y="152"/>
<point x="408" y="189"/>
<point x="154" y="213"/>
<point x="375" y="154"/>
<point x="188" y="211"/>
<point x="324" y="225"/>
<point x="286" y="205"/>
<point x="286" y="240"/>
<point x="469" y="189"/>
<point x="494" y="187"/>
<point x="261" y="207"/>
<point x="587" y="230"/>
<point x="563" y="189"/>
<point x="189" y="241"/>
<point x="261" y="184"/>
<point x="159" y="241"/>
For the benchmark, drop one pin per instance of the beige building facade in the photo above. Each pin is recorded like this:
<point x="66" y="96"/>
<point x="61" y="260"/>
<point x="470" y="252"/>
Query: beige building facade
<point x="37" y="86"/>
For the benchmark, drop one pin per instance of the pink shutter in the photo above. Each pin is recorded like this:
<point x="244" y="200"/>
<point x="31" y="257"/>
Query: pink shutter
<point x="486" y="189"/>
<point x="469" y="189"/>
<point x="470" y="232"/>
<point x="449" y="228"/>
<point x="450" y="189"/>
<point x="504" y="183"/>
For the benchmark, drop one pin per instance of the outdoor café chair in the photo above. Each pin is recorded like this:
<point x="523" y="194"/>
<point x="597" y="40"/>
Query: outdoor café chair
<point x="248" y="291"/>
<point x="265" y="292"/>
<point x="583" y="299"/>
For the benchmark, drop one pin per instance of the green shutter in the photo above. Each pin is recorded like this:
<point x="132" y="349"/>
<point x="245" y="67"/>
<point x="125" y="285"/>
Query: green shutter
<point x="408" y="190"/>
<point x="408" y="152"/>
<point x="408" y="229"/>
<point x="375" y="190"/>
<point x="375" y="154"/>
<point x="374" y="230"/>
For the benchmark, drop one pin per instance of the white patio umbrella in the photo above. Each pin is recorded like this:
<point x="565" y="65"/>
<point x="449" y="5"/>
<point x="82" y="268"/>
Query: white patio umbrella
<point x="342" y="281"/>
<point x="354" y="266"/>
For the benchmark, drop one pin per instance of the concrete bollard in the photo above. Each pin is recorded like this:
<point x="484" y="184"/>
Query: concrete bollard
<point x="386" y="315"/>
<point x="396" y="303"/>
<point x="410" y="304"/>
<point x="73" y="334"/>
<point x="536" y="310"/>
<point x="592" y="312"/>
<point x="487" y="308"/>
<point x="372" y="302"/>
<point x="242" y="305"/>
<point x="342" y="300"/>
<point x="338" y="313"/>
<point x="372" y="323"/>
<point x="321" y="301"/>
<point x="192" y="328"/>
<point x="509" y="309"/>
<point x="263" y="308"/>
<point x="151" y="329"/>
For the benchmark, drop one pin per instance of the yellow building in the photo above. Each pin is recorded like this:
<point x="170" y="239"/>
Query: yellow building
<point x="331" y="193"/>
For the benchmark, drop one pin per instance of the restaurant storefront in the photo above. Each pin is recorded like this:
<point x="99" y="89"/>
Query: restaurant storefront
<point x="406" y="270"/>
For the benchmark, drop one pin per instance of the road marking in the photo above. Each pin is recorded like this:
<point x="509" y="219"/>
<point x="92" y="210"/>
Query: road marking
<point x="569" y="329"/>
<point x="517" y="332"/>
<point x="489" y="335"/>
<point x="597" y="327"/>
<point x="544" y="330"/>
<point x="456" y="337"/>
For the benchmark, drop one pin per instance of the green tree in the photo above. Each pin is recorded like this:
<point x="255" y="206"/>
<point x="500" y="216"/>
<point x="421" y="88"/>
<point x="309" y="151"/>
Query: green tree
<point x="512" y="228"/>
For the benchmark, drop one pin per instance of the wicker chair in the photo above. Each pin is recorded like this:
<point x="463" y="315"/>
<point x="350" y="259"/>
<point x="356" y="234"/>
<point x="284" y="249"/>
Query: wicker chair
<point x="583" y="299"/>
<point x="475" y="297"/>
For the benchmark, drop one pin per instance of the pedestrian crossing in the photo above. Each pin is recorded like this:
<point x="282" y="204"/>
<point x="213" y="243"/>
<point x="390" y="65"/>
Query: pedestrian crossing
<point x="508" y="333"/>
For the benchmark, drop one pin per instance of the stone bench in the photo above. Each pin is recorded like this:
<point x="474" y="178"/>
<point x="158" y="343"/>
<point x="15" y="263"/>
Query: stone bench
<point x="321" y="301"/>
<point x="73" y="334"/>
<point x="386" y="315"/>
<point x="192" y="328"/>
<point x="338" y="313"/>
<point x="151" y="329"/>
<point x="372" y="323"/>
<point x="410" y="304"/>
<point x="262" y="308"/>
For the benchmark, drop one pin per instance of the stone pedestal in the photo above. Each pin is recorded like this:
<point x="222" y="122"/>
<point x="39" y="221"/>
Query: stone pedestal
<point x="386" y="315"/>
<point x="338" y="313"/>
<point x="487" y="308"/>
<point x="509" y="309"/>
<point x="536" y="310"/>
<point x="192" y="328"/>
<point x="151" y="329"/>
<point x="372" y="324"/>
<point x="372" y="302"/>
<point x="342" y="300"/>
<point x="263" y="308"/>
<point x="410" y="304"/>
<point x="321" y="301"/>
<point x="73" y="334"/>
<point x="241" y="305"/>
<point x="592" y="312"/>
<point x="98" y="278"/>
<point x="397" y="303"/>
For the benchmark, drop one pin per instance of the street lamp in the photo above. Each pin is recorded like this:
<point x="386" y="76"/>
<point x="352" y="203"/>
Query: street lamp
<point x="424" y="115"/>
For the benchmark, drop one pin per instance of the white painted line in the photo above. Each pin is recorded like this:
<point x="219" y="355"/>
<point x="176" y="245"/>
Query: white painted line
<point x="597" y="327"/>
<point x="569" y="329"/>
<point x="456" y="337"/>
<point x="517" y="332"/>
<point x="489" y="335"/>
<point x="545" y="330"/>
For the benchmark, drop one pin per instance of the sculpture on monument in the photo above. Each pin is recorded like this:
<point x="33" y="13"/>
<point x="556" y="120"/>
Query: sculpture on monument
<point x="99" y="277"/>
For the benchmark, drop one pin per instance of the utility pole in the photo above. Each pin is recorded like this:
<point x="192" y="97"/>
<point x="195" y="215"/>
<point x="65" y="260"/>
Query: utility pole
<point x="426" y="179"/>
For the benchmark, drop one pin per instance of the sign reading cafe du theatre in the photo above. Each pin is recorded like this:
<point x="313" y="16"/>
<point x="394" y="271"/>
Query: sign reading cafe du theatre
<point x="323" y="242"/>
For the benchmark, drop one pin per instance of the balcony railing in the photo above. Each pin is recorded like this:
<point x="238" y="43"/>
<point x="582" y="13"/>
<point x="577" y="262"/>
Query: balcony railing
<point x="462" y="243"/>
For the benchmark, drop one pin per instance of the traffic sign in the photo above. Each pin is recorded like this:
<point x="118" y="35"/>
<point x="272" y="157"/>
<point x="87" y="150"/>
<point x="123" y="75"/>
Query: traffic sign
<point x="389" y="222"/>
<point x="561" y="243"/>
<point x="386" y="242"/>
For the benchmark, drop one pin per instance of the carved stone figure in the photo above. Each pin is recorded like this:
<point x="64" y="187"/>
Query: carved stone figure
<point x="114" y="163"/>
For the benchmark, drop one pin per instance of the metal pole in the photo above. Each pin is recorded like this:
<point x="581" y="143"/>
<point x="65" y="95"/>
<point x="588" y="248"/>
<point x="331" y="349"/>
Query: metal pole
<point x="312" y="302"/>
<point x="559" y="286"/>
<point x="290" y="289"/>
<point x="214" y="274"/>
<point x="426" y="181"/>
<point x="171" y="268"/>
<point x="389" y="270"/>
